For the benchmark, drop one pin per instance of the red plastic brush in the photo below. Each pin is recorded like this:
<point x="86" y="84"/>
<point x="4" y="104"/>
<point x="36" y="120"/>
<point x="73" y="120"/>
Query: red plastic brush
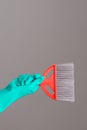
<point x="61" y="82"/>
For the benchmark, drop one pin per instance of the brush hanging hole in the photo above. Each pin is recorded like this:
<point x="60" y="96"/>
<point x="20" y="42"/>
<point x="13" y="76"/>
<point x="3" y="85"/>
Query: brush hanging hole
<point x="49" y="89"/>
<point x="49" y="74"/>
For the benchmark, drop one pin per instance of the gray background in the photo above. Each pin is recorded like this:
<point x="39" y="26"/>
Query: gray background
<point x="33" y="35"/>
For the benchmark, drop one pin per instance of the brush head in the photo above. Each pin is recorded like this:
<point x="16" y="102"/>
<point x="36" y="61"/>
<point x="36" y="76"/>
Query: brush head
<point x="60" y="82"/>
<point x="65" y="82"/>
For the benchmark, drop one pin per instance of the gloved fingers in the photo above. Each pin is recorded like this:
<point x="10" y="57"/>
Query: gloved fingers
<point x="28" y="80"/>
<point x="32" y="81"/>
<point x="23" y="78"/>
<point x="34" y="88"/>
<point x="38" y="79"/>
<point x="36" y="76"/>
<point x="20" y="77"/>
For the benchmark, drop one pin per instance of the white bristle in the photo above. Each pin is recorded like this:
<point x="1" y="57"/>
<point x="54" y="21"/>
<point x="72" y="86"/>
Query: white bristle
<point x="65" y="82"/>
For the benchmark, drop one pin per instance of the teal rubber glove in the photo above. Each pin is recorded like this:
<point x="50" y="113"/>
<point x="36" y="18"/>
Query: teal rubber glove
<point x="22" y="86"/>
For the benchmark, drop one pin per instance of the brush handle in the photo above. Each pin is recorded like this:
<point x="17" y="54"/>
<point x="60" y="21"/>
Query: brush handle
<point x="50" y="82"/>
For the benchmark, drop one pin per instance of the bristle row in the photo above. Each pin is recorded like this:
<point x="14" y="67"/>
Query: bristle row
<point x="65" y="82"/>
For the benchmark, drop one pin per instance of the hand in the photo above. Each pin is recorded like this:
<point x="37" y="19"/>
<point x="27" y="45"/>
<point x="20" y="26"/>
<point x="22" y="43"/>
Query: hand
<point x="26" y="83"/>
<point x="21" y="86"/>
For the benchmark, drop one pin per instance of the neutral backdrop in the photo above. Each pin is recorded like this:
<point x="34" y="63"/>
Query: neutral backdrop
<point x="33" y="35"/>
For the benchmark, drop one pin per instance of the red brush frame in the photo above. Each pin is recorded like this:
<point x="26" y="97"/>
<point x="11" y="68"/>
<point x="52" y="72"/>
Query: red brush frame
<point x="51" y="82"/>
